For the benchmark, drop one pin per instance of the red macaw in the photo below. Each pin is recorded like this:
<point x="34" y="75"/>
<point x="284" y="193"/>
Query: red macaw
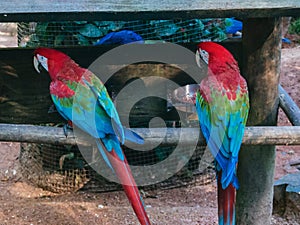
<point x="222" y="105"/>
<point x="80" y="97"/>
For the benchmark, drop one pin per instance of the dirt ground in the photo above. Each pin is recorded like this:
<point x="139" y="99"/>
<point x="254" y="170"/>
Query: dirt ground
<point x="24" y="204"/>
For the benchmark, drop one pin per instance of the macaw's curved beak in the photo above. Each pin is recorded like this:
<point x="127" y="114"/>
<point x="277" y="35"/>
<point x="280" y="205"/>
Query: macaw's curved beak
<point x="36" y="64"/>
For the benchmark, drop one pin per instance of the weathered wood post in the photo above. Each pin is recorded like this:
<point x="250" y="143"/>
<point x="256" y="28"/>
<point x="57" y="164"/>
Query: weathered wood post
<point x="261" y="64"/>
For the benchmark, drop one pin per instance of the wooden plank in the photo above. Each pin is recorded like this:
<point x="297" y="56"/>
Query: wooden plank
<point x="24" y="94"/>
<point x="261" y="51"/>
<point x="54" y="135"/>
<point x="55" y="10"/>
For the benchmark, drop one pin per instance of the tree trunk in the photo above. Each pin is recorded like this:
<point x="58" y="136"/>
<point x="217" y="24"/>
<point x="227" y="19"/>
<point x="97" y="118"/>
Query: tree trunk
<point x="261" y="65"/>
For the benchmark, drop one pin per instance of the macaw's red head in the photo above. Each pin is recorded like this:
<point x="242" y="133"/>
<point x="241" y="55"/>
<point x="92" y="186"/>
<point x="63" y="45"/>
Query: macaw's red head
<point x="218" y="58"/>
<point x="51" y="60"/>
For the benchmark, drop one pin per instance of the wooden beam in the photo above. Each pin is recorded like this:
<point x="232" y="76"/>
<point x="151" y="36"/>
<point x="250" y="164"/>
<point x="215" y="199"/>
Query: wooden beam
<point x="57" y="10"/>
<point x="291" y="109"/>
<point x="261" y="52"/>
<point x="55" y="135"/>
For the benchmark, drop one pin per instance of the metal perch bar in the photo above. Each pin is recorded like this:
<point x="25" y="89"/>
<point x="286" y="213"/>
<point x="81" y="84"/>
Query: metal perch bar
<point x="269" y="135"/>
<point x="289" y="107"/>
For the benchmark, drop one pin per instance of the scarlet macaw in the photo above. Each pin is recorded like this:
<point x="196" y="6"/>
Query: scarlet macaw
<point x="80" y="97"/>
<point x="222" y="105"/>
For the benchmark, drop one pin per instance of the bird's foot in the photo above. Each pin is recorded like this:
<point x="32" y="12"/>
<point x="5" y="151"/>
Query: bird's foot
<point x="67" y="127"/>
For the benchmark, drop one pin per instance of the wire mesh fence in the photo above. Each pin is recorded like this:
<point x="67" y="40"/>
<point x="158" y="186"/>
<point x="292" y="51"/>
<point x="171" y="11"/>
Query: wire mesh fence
<point x="84" y="33"/>
<point x="62" y="169"/>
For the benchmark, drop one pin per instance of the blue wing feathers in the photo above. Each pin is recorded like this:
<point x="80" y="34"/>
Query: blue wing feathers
<point x="63" y="111"/>
<point x="102" y="151"/>
<point x="96" y="115"/>
<point x="133" y="137"/>
<point x="107" y="105"/>
<point x="111" y="142"/>
<point x="224" y="137"/>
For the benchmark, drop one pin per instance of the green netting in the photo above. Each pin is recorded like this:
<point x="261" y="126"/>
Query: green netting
<point x="85" y="33"/>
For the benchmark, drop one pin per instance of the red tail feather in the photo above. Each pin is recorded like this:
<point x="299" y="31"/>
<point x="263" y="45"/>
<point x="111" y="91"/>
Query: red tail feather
<point x="226" y="203"/>
<point x="124" y="174"/>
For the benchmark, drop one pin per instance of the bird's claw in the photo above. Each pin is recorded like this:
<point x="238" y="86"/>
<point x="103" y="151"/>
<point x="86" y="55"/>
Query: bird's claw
<point x="67" y="127"/>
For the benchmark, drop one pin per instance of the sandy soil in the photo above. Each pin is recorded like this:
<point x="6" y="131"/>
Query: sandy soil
<point x="290" y="80"/>
<point x="24" y="204"/>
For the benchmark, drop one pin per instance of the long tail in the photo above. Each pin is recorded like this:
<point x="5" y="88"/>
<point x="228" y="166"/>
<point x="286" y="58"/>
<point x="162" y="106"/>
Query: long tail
<point x="123" y="172"/>
<point x="226" y="203"/>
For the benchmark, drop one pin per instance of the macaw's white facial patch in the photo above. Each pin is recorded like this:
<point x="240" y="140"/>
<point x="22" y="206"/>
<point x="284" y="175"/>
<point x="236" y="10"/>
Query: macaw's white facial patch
<point x="204" y="55"/>
<point x="39" y="59"/>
